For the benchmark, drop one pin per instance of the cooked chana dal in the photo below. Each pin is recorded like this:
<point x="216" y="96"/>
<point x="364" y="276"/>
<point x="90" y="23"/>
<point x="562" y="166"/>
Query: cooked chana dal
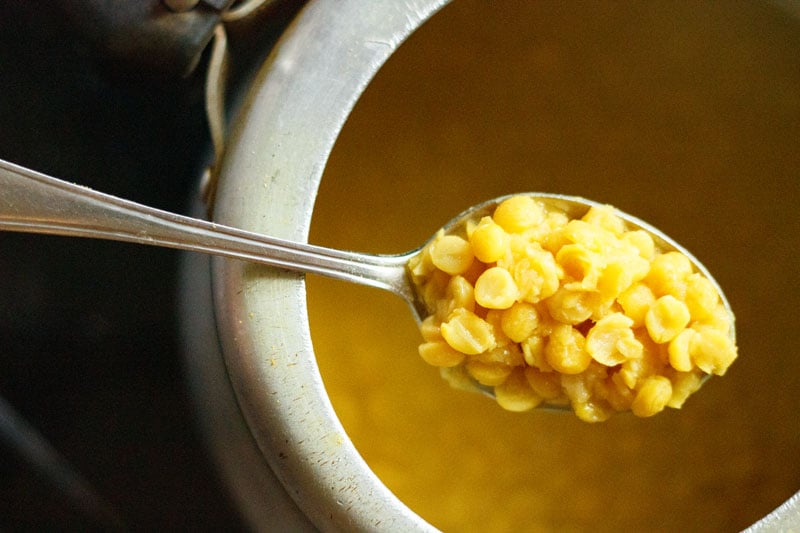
<point x="581" y="312"/>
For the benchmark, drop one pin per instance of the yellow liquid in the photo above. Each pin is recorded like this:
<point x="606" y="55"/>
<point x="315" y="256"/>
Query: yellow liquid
<point x="685" y="114"/>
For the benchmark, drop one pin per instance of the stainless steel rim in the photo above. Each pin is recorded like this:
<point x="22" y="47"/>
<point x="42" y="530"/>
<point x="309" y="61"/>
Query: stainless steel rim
<point x="269" y="178"/>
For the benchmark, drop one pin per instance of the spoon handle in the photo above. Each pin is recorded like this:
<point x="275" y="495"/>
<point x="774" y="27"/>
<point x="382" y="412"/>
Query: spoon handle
<point x="36" y="203"/>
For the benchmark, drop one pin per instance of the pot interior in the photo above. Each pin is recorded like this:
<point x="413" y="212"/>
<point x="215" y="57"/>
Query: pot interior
<point x="684" y="114"/>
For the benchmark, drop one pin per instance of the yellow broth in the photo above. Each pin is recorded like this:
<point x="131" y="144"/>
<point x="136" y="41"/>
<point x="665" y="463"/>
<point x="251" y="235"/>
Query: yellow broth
<point x="685" y="114"/>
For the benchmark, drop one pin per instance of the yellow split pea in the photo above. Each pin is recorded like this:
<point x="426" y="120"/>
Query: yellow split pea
<point x="582" y="312"/>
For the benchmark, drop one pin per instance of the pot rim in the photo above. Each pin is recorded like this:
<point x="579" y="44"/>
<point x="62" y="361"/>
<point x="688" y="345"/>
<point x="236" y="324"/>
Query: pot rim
<point x="296" y="107"/>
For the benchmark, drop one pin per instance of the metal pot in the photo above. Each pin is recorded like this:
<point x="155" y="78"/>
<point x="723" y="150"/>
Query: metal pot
<point x="281" y="447"/>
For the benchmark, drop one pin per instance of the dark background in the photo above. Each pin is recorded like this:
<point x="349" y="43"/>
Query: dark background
<point x="89" y="335"/>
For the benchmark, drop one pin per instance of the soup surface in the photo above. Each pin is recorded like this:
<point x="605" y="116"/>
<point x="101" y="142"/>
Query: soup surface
<point x="684" y="114"/>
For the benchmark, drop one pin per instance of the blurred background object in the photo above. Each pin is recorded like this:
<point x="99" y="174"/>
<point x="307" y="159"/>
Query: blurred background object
<point x="97" y="429"/>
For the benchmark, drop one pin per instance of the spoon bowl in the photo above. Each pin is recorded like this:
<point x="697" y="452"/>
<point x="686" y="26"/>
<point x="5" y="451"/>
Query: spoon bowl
<point x="574" y="207"/>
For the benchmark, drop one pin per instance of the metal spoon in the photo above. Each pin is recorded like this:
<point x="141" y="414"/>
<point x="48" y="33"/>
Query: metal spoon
<point x="33" y="202"/>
